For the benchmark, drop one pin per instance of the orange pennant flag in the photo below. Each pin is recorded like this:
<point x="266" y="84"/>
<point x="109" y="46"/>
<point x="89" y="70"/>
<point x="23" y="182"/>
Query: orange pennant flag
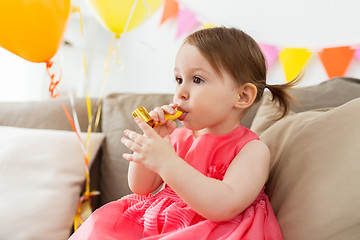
<point x="293" y="61"/>
<point x="171" y="9"/>
<point x="336" y="60"/>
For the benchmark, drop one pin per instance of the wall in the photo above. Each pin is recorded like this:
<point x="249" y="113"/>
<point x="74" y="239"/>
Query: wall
<point x="147" y="53"/>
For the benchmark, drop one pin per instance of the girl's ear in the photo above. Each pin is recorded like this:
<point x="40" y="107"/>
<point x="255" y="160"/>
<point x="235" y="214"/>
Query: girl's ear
<point x="247" y="96"/>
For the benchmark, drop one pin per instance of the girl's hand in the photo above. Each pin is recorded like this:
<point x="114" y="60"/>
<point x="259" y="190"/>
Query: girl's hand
<point x="149" y="149"/>
<point x="158" y="114"/>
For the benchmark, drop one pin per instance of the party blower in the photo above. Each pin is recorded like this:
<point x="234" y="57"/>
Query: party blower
<point x="144" y="115"/>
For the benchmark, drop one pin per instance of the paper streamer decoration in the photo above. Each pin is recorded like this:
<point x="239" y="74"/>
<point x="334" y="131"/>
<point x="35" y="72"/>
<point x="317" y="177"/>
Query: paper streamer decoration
<point x="293" y="61"/>
<point x="336" y="60"/>
<point x="270" y="52"/>
<point x="187" y="21"/>
<point x="171" y="9"/>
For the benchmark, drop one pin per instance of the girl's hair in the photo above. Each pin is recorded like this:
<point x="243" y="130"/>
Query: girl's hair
<point x="239" y="55"/>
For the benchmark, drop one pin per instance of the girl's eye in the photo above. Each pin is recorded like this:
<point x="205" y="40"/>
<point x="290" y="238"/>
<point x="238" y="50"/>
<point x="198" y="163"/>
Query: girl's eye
<point x="197" y="80"/>
<point x="178" y="80"/>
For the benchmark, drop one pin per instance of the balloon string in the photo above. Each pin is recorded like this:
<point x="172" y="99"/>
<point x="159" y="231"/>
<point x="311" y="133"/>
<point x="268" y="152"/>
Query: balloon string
<point x="147" y="8"/>
<point x="86" y="196"/>
<point x="78" y="220"/>
<point x="54" y="93"/>
<point x="86" y="149"/>
<point x="100" y="100"/>
<point x="76" y="129"/>
<point x="88" y="102"/>
<point x="107" y="66"/>
<point x="53" y="83"/>
<point x="86" y="154"/>
<point x="118" y="60"/>
<point x="76" y="120"/>
<point x="130" y="16"/>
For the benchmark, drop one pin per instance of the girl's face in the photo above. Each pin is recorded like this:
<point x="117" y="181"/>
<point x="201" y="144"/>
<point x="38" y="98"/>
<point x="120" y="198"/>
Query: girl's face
<point x="207" y="99"/>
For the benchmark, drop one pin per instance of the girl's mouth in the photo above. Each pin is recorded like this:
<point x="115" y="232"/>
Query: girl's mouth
<point x="183" y="115"/>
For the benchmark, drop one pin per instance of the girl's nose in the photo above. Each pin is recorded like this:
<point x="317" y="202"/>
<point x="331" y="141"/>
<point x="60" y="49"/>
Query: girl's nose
<point x="181" y="93"/>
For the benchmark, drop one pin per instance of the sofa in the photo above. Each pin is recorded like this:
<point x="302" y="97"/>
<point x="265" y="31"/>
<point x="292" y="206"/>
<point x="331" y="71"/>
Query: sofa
<point x="314" y="182"/>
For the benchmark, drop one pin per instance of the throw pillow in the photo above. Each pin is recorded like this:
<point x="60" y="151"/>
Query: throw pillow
<point x="314" y="177"/>
<point x="41" y="177"/>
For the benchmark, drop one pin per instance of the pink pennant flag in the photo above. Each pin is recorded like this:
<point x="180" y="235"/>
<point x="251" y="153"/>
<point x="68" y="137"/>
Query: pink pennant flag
<point x="357" y="54"/>
<point x="270" y="52"/>
<point x="187" y="21"/>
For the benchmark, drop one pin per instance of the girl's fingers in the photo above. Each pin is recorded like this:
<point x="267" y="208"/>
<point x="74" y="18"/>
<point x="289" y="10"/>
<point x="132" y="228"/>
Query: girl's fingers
<point x="134" y="136"/>
<point x="158" y="114"/>
<point x="147" y="130"/>
<point x="133" y="146"/>
<point x="128" y="156"/>
<point x="174" y="106"/>
<point x="169" y="109"/>
<point x="171" y="125"/>
<point x="135" y="141"/>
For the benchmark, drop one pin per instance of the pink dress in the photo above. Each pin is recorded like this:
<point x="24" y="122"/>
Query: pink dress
<point x="165" y="216"/>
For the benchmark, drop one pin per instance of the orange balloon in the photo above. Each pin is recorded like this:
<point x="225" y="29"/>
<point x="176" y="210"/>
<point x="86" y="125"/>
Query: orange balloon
<point x="33" y="29"/>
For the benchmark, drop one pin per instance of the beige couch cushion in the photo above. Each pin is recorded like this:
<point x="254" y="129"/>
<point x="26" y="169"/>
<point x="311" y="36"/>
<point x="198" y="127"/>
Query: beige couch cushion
<point x="314" y="180"/>
<point x="47" y="114"/>
<point x="328" y="94"/>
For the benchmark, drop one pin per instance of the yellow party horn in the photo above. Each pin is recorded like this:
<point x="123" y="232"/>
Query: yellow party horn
<point x="144" y="115"/>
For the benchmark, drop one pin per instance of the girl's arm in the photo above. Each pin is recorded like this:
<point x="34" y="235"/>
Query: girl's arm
<point x="221" y="200"/>
<point x="214" y="199"/>
<point x="141" y="179"/>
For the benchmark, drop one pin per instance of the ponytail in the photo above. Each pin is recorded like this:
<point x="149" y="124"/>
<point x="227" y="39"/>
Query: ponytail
<point x="282" y="97"/>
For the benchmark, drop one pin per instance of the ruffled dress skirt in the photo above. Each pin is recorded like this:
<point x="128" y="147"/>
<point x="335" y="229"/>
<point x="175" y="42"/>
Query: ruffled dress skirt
<point x="165" y="216"/>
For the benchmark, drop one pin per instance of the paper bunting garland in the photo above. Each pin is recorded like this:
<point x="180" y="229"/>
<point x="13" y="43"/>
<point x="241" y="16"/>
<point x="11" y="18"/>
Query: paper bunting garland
<point x="293" y="61"/>
<point x="336" y="60"/>
<point x="171" y="9"/>
<point x="187" y="21"/>
<point x="270" y="52"/>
